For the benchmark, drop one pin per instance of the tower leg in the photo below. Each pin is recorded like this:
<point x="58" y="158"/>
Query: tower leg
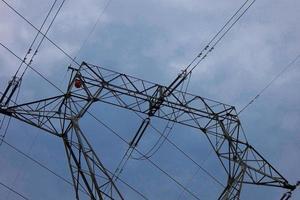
<point x="234" y="186"/>
<point x="90" y="178"/>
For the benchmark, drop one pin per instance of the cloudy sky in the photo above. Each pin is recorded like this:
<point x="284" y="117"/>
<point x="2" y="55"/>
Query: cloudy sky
<point x="154" y="40"/>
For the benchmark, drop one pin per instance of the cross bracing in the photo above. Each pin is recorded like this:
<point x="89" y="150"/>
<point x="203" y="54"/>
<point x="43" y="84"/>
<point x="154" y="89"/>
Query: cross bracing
<point x="60" y="115"/>
<point x="218" y="122"/>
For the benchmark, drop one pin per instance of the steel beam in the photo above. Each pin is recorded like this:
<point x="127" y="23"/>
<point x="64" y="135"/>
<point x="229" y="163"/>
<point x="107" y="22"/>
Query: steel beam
<point x="219" y="122"/>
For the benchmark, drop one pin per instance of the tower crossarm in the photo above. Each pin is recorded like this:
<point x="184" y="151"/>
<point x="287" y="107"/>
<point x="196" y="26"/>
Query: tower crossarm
<point x="139" y="96"/>
<point x="52" y="114"/>
<point x="218" y="121"/>
<point x="43" y="114"/>
<point x="259" y="171"/>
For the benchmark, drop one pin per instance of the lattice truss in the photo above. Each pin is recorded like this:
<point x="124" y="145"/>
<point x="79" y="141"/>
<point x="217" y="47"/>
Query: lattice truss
<point x="219" y="122"/>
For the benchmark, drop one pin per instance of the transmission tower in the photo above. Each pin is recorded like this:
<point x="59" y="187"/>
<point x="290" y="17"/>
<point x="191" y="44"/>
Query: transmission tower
<point x="60" y="116"/>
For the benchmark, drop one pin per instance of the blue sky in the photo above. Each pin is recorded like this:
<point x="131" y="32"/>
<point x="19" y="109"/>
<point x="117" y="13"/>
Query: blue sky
<point x="154" y="40"/>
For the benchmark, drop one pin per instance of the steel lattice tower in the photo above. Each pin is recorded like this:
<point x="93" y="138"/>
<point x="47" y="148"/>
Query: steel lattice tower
<point x="219" y="123"/>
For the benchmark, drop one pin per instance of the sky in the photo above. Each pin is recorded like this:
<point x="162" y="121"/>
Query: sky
<point x="154" y="40"/>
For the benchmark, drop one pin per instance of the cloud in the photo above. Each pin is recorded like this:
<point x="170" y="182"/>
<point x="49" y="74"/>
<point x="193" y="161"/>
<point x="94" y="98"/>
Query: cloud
<point x="155" y="40"/>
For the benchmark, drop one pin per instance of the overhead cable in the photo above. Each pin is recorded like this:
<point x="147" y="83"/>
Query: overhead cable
<point x="32" y="68"/>
<point x="14" y="191"/>
<point x="94" y="27"/>
<point x="44" y="35"/>
<point x="288" y="66"/>
<point x="33" y="26"/>
<point x="220" y="35"/>
<point x="38" y="163"/>
<point x="36" y="36"/>
<point x="189" y="157"/>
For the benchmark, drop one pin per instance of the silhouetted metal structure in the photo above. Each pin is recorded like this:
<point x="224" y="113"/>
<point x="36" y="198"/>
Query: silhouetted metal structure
<point x="60" y="115"/>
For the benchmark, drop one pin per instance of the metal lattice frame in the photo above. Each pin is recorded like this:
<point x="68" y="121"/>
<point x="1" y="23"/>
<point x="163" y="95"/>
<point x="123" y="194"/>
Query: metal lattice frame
<point x="219" y="122"/>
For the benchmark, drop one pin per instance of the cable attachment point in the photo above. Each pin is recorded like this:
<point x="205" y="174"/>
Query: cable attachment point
<point x="13" y="84"/>
<point x="288" y="194"/>
<point x="182" y="74"/>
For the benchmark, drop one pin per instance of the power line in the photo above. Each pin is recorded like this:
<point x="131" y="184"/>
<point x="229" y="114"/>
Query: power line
<point x="33" y="26"/>
<point x="194" y="175"/>
<point x="229" y="28"/>
<point x="14" y="191"/>
<point x="32" y="68"/>
<point x="193" y="68"/>
<point x="207" y="48"/>
<point x="36" y="36"/>
<point x="135" y="190"/>
<point x="222" y="32"/>
<point x="289" y="65"/>
<point x="44" y="35"/>
<point x="37" y="162"/>
<point x="93" y="28"/>
<point x="132" y="188"/>
<point x="201" y="53"/>
<point x="187" y="156"/>
<point x="159" y="143"/>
